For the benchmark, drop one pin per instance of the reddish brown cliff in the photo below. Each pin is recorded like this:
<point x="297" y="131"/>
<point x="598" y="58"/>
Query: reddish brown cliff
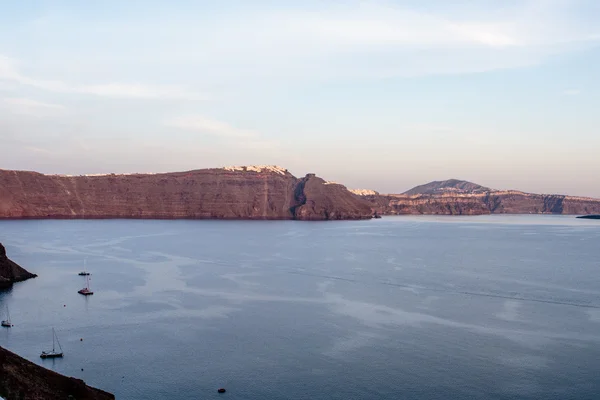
<point x="24" y="380"/>
<point x="264" y="192"/>
<point x="10" y="271"/>
<point x="454" y="197"/>
<point x="320" y="200"/>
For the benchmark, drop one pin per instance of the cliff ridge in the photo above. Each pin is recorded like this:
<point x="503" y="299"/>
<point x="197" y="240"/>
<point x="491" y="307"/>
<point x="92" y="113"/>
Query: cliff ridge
<point x="246" y="192"/>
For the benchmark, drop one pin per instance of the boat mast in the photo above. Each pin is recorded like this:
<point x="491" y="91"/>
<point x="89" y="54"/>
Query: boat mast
<point x="59" y="346"/>
<point x="7" y="315"/>
<point x="53" y="335"/>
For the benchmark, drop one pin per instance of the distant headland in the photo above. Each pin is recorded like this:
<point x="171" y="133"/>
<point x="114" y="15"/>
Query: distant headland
<point x="264" y="192"/>
<point x="10" y="271"/>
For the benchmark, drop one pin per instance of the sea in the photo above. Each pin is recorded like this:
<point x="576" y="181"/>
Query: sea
<point x="407" y="307"/>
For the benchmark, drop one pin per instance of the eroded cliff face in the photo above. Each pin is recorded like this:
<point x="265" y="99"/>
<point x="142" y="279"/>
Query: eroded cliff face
<point x="264" y="192"/>
<point x="24" y="380"/>
<point x="493" y="202"/>
<point x="255" y="192"/>
<point x="459" y="197"/>
<point x="10" y="271"/>
<point x="320" y="200"/>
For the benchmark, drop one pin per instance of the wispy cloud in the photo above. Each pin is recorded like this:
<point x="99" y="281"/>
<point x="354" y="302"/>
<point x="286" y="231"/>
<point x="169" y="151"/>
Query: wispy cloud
<point x="9" y="71"/>
<point x="32" y="107"/>
<point x="370" y="40"/>
<point x="37" y="150"/>
<point x="235" y="137"/>
<point x="336" y="40"/>
<point x="209" y="126"/>
<point x="572" y="92"/>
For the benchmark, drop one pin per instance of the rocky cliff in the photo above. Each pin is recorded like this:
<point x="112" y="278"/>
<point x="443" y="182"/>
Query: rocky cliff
<point x="10" y="271"/>
<point x="258" y="192"/>
<point x="455" y="197"/>
<point x="320" y="200"/>
<point x="254" y="192"/>
<point x="24" y="380"/>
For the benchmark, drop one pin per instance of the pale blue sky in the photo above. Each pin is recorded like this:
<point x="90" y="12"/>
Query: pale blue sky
<point x="381" y="95"/>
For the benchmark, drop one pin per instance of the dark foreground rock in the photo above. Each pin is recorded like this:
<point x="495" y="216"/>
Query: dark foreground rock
<point x="10" y="271"/>
<point x="589" y="217"/>
<point x="23" y="380"/>
<point x="256" y="192"/>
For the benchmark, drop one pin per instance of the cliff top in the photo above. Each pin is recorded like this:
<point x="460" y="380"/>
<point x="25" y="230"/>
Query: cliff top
<point x="242" y="168"/>
<point x="364" y="192"/>
<point x="258" y="168"/>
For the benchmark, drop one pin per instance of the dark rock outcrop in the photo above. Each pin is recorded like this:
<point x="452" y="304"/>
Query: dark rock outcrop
<point x="589" y="216"/>
<point x="263" y="192"/>
<point x="24" y="380"/>
<point x="10" y="271"/>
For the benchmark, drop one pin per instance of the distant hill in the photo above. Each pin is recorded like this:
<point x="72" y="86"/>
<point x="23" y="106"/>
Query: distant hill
<point x="448" y="186"/>
<point x="456" y="197"/>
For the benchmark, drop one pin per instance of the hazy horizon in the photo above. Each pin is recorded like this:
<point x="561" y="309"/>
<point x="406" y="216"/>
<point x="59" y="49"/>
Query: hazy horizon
<point x="381" y="95"/>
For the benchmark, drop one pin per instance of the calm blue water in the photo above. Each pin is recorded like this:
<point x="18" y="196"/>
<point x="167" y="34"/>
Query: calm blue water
<point x="495" y="307"/>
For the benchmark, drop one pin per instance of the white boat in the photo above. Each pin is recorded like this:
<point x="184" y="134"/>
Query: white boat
<point x="6" y="323"/>
<point x="53" y="353"/>
<point x="86" y="290"/>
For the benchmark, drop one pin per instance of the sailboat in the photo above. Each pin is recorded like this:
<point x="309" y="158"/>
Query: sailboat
<point x="6" y="323"/>
<point x="53" y="353"/>
<point x="84" y="272"/>
<point x="86" y="290"/>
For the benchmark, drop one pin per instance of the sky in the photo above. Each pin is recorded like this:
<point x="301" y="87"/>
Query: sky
<point x="381" y="95"/>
